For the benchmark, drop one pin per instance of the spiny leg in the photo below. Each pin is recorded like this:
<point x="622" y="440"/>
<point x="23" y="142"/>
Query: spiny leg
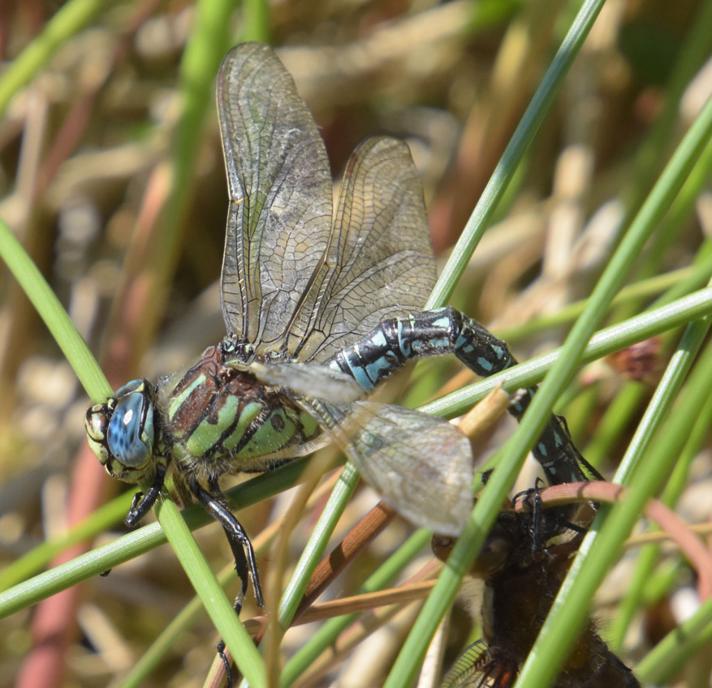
<point x="243" y="553"/>
<point x="143" y="501"/>
<point x="245" y="561"/>
<point x="542" y="524"/>
<point x="447" y="331"/>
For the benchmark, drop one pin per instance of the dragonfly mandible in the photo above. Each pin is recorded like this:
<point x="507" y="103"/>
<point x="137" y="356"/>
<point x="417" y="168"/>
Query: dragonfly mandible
<point x="320" y="305"/>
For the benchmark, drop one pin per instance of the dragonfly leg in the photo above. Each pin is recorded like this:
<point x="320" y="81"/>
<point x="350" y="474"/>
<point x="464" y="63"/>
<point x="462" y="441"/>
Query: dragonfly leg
<point x="143" y="501"/>
<point x="447" y="331"/>
<point x="245" y="561"/>
<point x="227" y="663"/>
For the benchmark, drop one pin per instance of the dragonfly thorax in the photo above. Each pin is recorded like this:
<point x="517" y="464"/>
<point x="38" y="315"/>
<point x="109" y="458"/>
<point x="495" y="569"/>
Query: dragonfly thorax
<point x="240" y="352"/>
<point x="121" y="432"/>
<point x="218" y="418"/>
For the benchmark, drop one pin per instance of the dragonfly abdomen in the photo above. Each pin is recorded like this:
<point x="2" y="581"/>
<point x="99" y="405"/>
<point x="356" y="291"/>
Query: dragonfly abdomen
<point x="430" y="333"/>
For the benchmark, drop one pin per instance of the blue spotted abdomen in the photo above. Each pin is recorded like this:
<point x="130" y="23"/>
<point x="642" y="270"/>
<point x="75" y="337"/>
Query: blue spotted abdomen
<point x="430" y="333"/>
<point x="446" y="330"/>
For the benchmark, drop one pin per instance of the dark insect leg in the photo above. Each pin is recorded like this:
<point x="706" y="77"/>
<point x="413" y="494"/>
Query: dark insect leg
<point x="244" y="555"/>
<point x="537" y="528"/>
<point x="142" y="502"/>
<point x="446" y="331"/>
<point x="242" y="552"/>
<point x="227" y="664"/>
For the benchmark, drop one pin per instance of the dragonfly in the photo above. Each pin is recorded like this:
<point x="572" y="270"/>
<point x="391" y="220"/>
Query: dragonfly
<point x="320" y="304"/>
<point x="521" y="582"/>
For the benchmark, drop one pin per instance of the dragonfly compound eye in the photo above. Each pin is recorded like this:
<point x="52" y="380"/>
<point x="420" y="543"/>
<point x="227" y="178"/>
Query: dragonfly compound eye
<point x="95" y="426"/>
<point x="121" y="432"/>
<point x="129" y="436"/>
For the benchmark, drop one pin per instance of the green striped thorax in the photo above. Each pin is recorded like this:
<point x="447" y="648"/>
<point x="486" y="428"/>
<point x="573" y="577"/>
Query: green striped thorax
<point x="215" y="418"/>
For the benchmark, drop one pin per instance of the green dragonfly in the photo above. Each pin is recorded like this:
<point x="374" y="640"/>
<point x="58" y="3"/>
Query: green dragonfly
<point x="320" y="305"/>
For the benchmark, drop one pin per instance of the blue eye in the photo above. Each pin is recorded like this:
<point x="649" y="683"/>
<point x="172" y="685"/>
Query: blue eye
<point x="130" y="431"/>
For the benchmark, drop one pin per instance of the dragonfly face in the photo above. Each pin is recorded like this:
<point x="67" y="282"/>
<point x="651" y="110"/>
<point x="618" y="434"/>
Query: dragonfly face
<point x="121" y="432"/>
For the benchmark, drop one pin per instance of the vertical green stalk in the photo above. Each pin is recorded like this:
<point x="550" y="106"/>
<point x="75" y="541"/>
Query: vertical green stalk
<point x="316" y="546"/>
<point x="668" y="657"/>
<point x="221" y="612"/>
<point x="514" y="152"/>
<point x="627" y="402"/>
<point x="201" y="59"/>
<point x="255" y="21"/>
<point x="68" y="21"/>
<point x="53" y="315"/>
<point x="325" y="636"/>
<point x="649" y="555"/>
<point x="486" y="509"/>
<point x="694" y="52"/>
<point x="571" y="606"/>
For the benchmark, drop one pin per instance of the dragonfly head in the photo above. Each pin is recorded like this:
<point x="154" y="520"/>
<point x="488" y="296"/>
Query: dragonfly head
<point x="121" y="432"/>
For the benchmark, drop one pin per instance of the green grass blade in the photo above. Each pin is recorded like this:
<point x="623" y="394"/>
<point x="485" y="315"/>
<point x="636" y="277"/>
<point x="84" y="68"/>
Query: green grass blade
<point x="27" y="565"/>
<point x="604" y="342"/>
<point x="571" y="607"/>
<point x="667" y="658"/>
<point x="649" y="555"/>
<point x="255" y="21"/>
<point x="165" y="642"/>
<point x="138" y="542"/>
<point x="265" y="485"/>
<point x="68" y="21"/>
<point x="695" y="50"/>
<point x="514" y="152"/>
<point x="593" y="565"/>
<point x="54" y="316"/>
<point x="685" y="279"/>
<point x="202" y="578"/>
<point x="325" y="636"/>
<point x="157" y="261"/>
<point x="670" y="383"/>
<point x="541" y="671"/>
<point x="317" y="543"/>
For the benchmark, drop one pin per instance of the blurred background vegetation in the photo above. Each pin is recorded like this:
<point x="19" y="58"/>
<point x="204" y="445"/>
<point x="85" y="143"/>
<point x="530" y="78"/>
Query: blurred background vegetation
<point x="111" y="175"/>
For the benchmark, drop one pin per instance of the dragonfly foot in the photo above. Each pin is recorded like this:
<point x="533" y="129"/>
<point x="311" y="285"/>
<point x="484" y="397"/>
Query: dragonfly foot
<point x="143" y="501"/>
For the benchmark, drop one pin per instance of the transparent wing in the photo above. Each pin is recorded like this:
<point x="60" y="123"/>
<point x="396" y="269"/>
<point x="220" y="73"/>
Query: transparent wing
<point x="477" y="667"/>
<point x="379" y="261"/>
<point x="309" y="380"/>
<point x="280" y="189"/>
<point x="466" y="669"/>
<point x="421" y="465"/>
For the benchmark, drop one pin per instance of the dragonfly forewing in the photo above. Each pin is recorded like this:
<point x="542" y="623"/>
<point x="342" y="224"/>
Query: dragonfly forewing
<point x="294" y="281"/>
<point x="280" y="189"/>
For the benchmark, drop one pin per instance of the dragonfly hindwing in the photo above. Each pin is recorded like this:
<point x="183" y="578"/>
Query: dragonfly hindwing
<point x="422" y="465"/>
